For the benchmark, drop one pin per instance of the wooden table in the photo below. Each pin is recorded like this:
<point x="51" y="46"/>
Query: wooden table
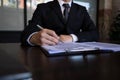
<point x="15" y="59"/>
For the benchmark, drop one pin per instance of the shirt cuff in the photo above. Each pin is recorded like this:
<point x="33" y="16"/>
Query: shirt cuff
<point x="74" y="38"/>
<point x="28" y="39"/>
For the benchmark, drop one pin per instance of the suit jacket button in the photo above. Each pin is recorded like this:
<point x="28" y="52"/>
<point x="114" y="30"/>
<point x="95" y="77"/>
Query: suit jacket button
<point x="80" y="30"/>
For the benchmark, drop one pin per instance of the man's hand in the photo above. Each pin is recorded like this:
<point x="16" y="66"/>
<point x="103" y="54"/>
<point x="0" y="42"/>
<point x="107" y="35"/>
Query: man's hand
<point x="44" y="37"/>
<point x="65" y="38"/>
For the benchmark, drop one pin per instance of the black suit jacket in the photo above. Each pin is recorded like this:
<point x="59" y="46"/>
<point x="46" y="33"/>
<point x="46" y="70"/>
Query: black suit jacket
<point x="49" y="15"/>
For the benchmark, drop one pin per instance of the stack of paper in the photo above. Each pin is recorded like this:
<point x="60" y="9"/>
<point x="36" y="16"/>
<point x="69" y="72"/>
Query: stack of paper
<point x="84" y="46"/>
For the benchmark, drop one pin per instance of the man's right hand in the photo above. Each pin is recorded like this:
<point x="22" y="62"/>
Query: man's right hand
<point x="44" y="37"/>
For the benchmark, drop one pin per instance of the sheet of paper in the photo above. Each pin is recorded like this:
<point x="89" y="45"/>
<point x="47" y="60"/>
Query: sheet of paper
<point x="68" y="47"/>
<point x="104" y="46"/>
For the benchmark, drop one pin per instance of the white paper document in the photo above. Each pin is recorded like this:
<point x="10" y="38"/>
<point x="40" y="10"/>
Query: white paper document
<point x="83" y="46"/>
<point x="104" y="46"/>
<point x="68" y="47"/>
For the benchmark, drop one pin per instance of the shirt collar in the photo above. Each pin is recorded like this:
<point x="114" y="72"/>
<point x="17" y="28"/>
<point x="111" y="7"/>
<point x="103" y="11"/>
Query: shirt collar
<point x="61" y="2"/>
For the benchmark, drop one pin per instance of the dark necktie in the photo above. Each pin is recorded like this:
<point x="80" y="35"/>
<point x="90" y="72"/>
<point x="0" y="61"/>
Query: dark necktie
<point x="66" y="11"/>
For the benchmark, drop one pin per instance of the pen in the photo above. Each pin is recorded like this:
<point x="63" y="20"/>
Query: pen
<point x="40" y="27"/>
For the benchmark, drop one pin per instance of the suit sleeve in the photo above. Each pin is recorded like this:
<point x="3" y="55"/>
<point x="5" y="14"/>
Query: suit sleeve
<point x="89" y="31"/>
<point x="31" y="27"/>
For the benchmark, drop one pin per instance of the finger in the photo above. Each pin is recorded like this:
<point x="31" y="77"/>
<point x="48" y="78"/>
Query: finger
<point x="52" y="33"/>
<point x="48" y="37"/>
<point x="44" y="41"/>
<point x="51" y="38"/>
<point x="66" y="38"/>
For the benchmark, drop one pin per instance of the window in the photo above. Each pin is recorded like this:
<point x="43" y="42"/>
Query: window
<point x="11" y="11"/>
<point x="0" y="2"/>
<point x="9" y="3"/>
<point x="91" y="6"/>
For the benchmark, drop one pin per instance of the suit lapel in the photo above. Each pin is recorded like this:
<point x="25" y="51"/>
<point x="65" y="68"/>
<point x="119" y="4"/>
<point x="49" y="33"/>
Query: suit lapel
<point x="72" y="13"/>
<point x="57" y="10"/>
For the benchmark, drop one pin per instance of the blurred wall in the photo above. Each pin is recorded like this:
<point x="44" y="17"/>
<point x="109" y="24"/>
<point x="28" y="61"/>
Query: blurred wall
<point x="107" y="11"/>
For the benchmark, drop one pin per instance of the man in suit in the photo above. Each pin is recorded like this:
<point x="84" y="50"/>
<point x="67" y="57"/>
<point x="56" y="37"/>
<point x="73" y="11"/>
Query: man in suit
<point x="76" y="27"/>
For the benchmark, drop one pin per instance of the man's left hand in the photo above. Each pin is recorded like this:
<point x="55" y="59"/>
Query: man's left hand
<point x="66" y="38"/>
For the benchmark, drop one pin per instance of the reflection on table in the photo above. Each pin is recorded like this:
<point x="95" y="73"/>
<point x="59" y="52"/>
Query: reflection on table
<point x="30" y="63"/>
<point x="92" y="66"/>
